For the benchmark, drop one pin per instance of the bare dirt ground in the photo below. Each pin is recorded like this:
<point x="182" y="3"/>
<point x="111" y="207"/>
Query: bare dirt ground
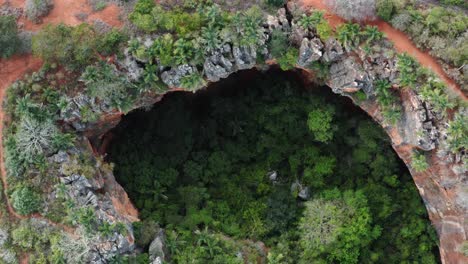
<point x="400" y="40"/>
<point x="68" y="11"/>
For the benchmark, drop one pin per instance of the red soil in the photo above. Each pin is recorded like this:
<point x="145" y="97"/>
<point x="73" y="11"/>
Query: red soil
<point x="65" y="11"/>
<point x="400" y="40"/>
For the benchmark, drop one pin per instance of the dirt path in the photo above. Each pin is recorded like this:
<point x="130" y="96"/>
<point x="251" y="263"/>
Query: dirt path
<point x="400" y="40"/>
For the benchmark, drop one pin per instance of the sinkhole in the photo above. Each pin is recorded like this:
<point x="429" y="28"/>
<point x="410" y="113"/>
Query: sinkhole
<point x="263" y="167"/>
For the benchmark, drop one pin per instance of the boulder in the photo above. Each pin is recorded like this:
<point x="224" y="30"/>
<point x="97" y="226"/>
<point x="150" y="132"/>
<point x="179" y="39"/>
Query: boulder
<point x="333" y="51"/>
<point x="217" y="66"/>
<point x="347" y="75"/>
<point x="245" y="57"/>
<point x="173" y="77"/>
<point x="310" y="51"/>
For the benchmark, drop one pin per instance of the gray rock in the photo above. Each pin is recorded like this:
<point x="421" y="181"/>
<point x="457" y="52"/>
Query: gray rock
<point x="217" y="67"/>
<point x="172" y="77"/>
<point x="348" y="76"/>
<point x="297" y="34"/>
<point x="245" y="57"/>
<point x="157" y="249"/>
<point x="333" y="51"/>
<point x="283" y="20"/>
<point x="310" y="51"/>
<point x="3" y="237"/>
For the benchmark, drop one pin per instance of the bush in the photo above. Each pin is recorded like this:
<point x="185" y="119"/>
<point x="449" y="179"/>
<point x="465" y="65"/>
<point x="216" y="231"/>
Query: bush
<point x="70" y="46"/>
<point x="35" y="138"/>
<point x="324" y="30"/>
<point x="419" y="162"/>
<point x="457" y="133"/>
<point x="289" y="59"/>
<point x="278" y="44"/>
<point x="26" y="201"/>
<point x="357" y="10"/>
<point x="9" y="40"/>
<point x="385" y="9"/>
<point x="319" y="123"/>
<point x="35" y="9"/>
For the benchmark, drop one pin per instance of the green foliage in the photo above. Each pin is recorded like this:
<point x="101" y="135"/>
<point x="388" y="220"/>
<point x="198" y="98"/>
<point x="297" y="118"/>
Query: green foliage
<point x="440" y="30"/>
<point x="434" y="93"/>
<point x="324" y="30"/>
<point x="289" y="59"/>
<point x="407" y="67"/>
<point x="308" y="22"/>
<point x="9" y="41"/>
<point x="338" y="224"/>
<point x="385" y="9"/>
<point x="25" y="201"/>
<point x="457" y="133"/>
<point x="419" y="162"/>
<point x="192" y="82"/>
<point x="372" y="33"/>
<point x="320" y="124"/>
<point x="104" y="82"/>
<point x="35" y="9"/>
<point x="201" y="171"/>
<point x="349" y="35"/>
<point x="278" y="44"/>
<point x="462" y="3"/>
<point x="110" y="42"/>
<point x="35" y="137"/>
<point x="70" y="46"/>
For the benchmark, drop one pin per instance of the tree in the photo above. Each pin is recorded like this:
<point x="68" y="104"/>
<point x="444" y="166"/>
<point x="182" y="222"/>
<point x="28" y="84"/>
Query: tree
<point x="210" y="39"/>
<point x="9" y="40"/>
<point x="311" y="21"/>
<point x="289" y="59"/>
<point x="25" y="200"/>
<point x="372" y="33"/>
<point x="349" y="35"/>
<point x="278" y="43"/>
<point x="320" y="124"/>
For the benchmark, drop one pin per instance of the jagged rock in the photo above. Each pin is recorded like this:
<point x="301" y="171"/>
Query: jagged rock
<point x="157" y="248"/>
<point x="283" y="20"/>
<point x="245" y="57"/>
<point x="172" y="77"/>
<point x="333" y="51"/>
<point x="129" y="63"/>
<point x="217" y="67"/>
<point x="272" y="23"/>
<point x="297" y="34"/>
<point x="310" y="51"/>
<point x="347" y="75"/>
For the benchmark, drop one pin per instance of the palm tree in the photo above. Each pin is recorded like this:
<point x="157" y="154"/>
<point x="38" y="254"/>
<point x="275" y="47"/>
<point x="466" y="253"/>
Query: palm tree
<point x="183" y="51"/>
<point x="150" y="76"/>
<point x="372" y="33"/>
<point x="384" y="95"/>
<point x="106" y="229"/>
<point x="210" y="38"/>
<point x="348" y="35"/>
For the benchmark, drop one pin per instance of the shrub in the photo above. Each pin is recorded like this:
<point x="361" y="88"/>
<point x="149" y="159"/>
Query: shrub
<point x="457" y="133"/>
<point x="26" y="201"/>
<point x="9" y="40"/>
<point x="35" y="9"/>
<point x="419" y="162"/>
<point x="289" y="59"/>
<point x="349" y="35"/>
<point x="104" y="82"/>
<point x="111" y="41"/>
<point x="24" y="236"/>
<point x="354" y="9"/>
<point x="192" y="82"/>
<point x="35" y="137"/>
<point x="324" y="30"/>
<point x="278" y="44"/>
<point x="385" y="9"/>
<point x="69" y="46"/>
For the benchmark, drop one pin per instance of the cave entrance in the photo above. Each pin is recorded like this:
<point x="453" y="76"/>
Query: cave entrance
<point x="264" y="167"/>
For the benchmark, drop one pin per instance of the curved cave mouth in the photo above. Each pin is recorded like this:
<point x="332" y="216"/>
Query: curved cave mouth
<point x="267" y="166"/>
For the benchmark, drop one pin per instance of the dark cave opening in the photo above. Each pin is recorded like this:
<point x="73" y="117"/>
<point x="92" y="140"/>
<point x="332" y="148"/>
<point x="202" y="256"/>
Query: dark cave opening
<point x="200" y="165"/>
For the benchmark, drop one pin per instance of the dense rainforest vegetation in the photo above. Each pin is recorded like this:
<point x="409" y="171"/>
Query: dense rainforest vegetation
<point x="259" y="158"/>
